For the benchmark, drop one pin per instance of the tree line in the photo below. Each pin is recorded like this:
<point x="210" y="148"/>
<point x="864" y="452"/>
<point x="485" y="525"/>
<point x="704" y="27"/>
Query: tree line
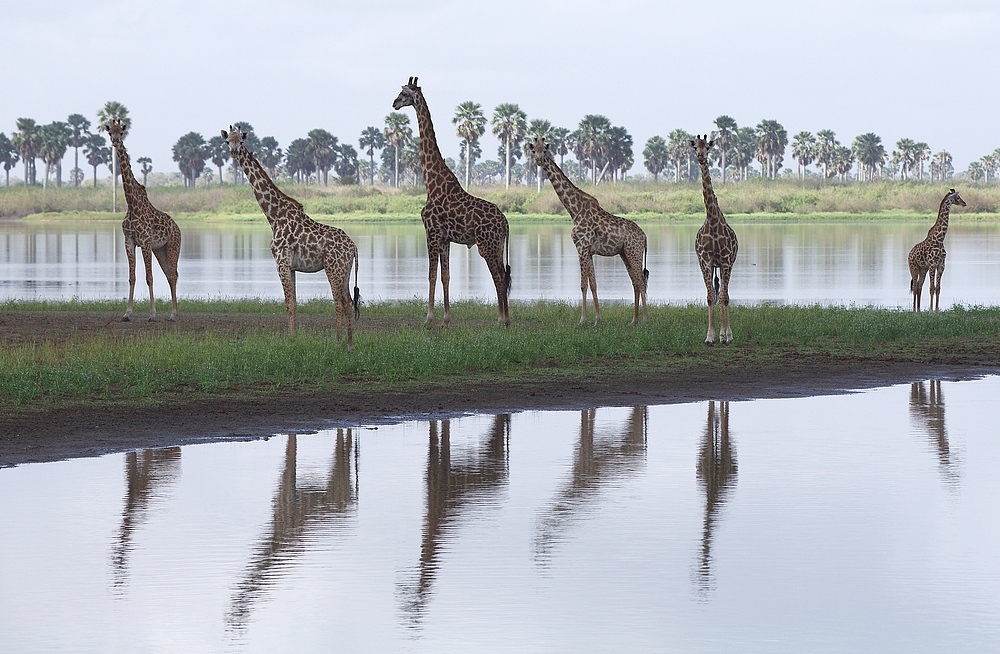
<point x="602" y="152"/>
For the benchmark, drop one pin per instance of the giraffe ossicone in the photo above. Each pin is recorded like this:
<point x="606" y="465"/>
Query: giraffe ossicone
<point x="299" y="243"/>
<point x="452" y="215"/>
<point x="928" y="256"/>
<point x="716" y="246"/>
<point x="595" y="231"/>
<point x="153" y="231"/>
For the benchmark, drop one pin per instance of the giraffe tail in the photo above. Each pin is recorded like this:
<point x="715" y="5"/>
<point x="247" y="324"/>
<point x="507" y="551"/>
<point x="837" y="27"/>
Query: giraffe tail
<point x="506" y="270"/>
<point x="715" y="273"/>
<point x="356" y="300"/>
<point x="645" y="271"/>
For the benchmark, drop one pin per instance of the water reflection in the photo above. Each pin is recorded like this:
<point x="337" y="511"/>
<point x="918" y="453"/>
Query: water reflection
<point x="472" y="479"/>
<point x="927" y="415"/>
<point x="148" y="474"/>
<point x="717" y="474"/>
<point x="298" y="508"/>
<point x="596" y="462"/>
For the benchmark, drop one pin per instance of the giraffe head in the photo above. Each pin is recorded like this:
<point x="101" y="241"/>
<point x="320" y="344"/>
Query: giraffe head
<point x="537" y="150"/>
<point x="116" y="129"/>
<point x="408" y="96"/>
<point x="954" y="198"/>
<point x="234" y="138"/>
<point x="701" y="146"/>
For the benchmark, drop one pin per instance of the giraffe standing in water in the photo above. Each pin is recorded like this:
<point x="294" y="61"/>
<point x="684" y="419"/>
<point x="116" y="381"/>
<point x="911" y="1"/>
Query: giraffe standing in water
<point x="451" y="215"/>
<point x="716" y="247"/>
<point x="300" y="244"/>
<point x="929" y="254"/>
<point x="153" y="231"/>
<point x="595" y="231"/>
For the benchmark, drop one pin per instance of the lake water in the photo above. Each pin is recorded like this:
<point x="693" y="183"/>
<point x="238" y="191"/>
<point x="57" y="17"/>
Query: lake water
<point x="850" y="263"/>
<point x="866" y="523"/>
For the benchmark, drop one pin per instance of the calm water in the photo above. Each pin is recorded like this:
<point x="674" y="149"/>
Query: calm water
<point x="860" y="263"/>
<point x="864" y="522"/>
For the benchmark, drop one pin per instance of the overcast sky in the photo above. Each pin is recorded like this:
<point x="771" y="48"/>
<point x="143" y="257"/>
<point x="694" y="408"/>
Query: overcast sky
<point x="922" y="69"/>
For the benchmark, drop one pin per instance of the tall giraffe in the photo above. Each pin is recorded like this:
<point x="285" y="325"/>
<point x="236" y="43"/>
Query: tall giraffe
<point x="299" y="243"/>
<point x="152" y="230"/>
<point x="595" y="231"/>
<point x="451" y="215"/>
<point x="716" y="246"/>
<point x="929" y="254"/>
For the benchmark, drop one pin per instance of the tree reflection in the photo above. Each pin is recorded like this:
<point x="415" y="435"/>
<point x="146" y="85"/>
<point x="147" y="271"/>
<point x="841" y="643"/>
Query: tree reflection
<point x="147" y="474"/>
<point x="473" y="478"/>
<point x="597" y="461"/>
<point x="717" y="474"/>
<point x="927" y="413"/>
<point x="297" y="508"/>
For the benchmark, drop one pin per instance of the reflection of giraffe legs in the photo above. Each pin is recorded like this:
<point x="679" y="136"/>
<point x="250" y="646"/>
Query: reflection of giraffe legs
<point x="717" y="472"/>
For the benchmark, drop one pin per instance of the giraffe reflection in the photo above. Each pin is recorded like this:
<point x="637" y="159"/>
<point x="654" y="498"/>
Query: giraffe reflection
<point x="472" y="479"/>
<point x="717" y="473"/>
<point x="927" y="412"/>
<point x="147" y="473"/>
<point x="298" y="507"/>
<point x="597" y="460"/>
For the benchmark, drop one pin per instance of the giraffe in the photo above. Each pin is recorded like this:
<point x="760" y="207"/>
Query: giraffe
<point x="929" y="254"/>
<point x="451" y="215"/>
<point x="299" y="243"/>
<point x="716" y="246"/>
<point x="595" y="231"/>
<point x="153" y="231"/>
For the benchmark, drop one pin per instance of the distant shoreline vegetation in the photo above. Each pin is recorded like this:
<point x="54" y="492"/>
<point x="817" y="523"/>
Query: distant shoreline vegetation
<point x="755" y="199"/>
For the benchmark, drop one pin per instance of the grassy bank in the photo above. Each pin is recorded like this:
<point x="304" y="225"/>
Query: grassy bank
<point x="392" y="349"/>
<point x="754" y="199"/>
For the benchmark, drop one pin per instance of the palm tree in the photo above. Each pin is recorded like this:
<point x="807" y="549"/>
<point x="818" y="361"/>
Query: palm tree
<point x="325" y="149"/>
<point x="470" y="124"/>
<point x="559" y="142"/>
<point x="725" y="134"/>
<point x="989" y="164"/>
<point x="509" y="124"/>
<point x="843" y="162"/>
<point x="942" y="167"/>
<point x="744" y="150"/>
<point x="906" y="154"/>
<point x="397" y="132"/>
<point x="772" y="140"/>
<point x="542" y="129"/>
<point x="54" y="140"/>
<point x="656" y="156"/>
<point x="620" y="157"/>
<point x="975" y="171"/>
<point x="190" y="153"/>
<point x="218" y="152"/>
<point x="114" y="109"/>
<point x="803" y="151"/>
<point x="678" y="149"/>
<point x="371" y="139"/>
<point x="146" y="167"/>
<point x="347" y="164"/>
<point x="826" y="150"/>
<point x="8" y="155"/>
<point x="79" y="126"/>
<point x="97" y="152"/>
<point x="921" y="153"/>
<point x="870" y="153"/>
<point x="298" y="160"/>
<point x="27" y="141"/>
<point x="269" y="154"/>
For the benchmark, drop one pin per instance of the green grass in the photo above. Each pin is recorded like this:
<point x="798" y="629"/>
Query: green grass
<point x="757" y="198"/>
<point x="400" y="351"/>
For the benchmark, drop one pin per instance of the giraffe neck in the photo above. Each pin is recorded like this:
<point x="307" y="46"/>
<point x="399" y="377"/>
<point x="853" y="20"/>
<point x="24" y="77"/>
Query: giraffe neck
<point x="572" y="197"/>
<point x="135" y="193"/>
<point x="938" y="231"/>
<point x="270" y="198"/>
<point x="437" y="175"/>
<point x="712" y="212"/>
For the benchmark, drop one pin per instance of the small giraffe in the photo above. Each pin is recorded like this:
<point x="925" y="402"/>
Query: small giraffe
<point x="153" y="231"/>
<point x="595" y="231"/>
<point x="716" y="246"/>
<point x="300" y="244"/>
<point x="929" y="254"/>
<point x="451" y="215"/>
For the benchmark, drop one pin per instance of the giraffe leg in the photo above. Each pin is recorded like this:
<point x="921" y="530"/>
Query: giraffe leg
<point x="917" y="287"/>
<point x="494" y="261"/>
<point x="287" y="277"/>
<point x="634" y="267"/>
<point x="591" y="279"/>
<point x="584" y="282"/>
<point x="432" y="256"/>
<point x="167" y="257"/>
<point x="727" y="335"/>
<point x="147" y="260"/>
<point x="706" y="273"/>
<point x="130" y="255"/>
<point x="446" y="280"/>
<point x="940" y="273"/>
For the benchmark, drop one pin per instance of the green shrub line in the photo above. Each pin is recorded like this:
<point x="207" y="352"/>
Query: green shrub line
<point x="760" y="199"/>
<point x="392" y="347"/>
